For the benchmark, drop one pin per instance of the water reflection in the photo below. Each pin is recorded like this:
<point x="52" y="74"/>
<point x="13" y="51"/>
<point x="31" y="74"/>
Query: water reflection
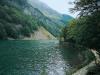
<point x="36" y="58"/>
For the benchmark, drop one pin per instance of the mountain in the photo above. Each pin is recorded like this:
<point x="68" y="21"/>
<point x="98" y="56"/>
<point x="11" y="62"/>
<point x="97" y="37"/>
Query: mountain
<point x="24" y="17"/>
<point x="59" y="20"/>
<point x="14" y="23"/>
<point x="47" y="11"/>
<point x="66" y="18"/>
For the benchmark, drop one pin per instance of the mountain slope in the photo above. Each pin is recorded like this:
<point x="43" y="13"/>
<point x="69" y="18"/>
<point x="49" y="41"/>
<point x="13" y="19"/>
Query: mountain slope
<point x="40" y="34"/>
<point x="54" y="21"/>
<point x="47" y="11"/>
<point x="14" y="23"/>
<point x="24" y="18"/>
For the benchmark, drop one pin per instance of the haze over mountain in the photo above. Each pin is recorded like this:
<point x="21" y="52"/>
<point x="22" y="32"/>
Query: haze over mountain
<point x="47" y="11"/>
<point x="60" y="19"/>
<point x="24" y="17"/>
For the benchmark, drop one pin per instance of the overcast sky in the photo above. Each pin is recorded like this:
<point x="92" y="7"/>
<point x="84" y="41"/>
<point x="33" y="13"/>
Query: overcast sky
<point x="61" y="6"/>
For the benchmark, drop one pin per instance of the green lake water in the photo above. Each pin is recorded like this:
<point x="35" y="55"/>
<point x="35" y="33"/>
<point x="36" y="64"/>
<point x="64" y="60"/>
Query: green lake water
<point x="35" y="58"/>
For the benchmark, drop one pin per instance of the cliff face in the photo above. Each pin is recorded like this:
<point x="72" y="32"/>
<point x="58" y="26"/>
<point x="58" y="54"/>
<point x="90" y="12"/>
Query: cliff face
<point x="41" y="34"/>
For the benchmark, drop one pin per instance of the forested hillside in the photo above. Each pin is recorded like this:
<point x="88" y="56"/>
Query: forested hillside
<point x="14" y="23"/>
<point x="19" y="19"/>
<point x="54" y="21"/>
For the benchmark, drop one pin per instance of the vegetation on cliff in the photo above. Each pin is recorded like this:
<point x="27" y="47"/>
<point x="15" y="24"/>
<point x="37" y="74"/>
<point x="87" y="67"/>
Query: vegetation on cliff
<point x="85" y="29"/>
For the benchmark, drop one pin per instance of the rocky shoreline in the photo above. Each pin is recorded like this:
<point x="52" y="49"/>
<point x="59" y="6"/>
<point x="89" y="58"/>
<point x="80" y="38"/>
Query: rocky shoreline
<point x="84" y="70"/>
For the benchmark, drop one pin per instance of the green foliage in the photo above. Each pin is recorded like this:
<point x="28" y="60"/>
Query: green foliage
<point x="20" y="2"/>
<point x="23" y="24"/>
<point x="85" y="31"/>
<point x="11" y="30"/>
<point x="86" y="7"/>
<point x="14" y="23"/>
<point x="51" y="20"/>
<point x="26" y="31"/>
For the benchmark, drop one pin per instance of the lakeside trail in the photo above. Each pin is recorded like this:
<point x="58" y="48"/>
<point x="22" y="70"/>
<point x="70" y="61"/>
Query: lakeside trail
<point x="84" y="70"/>
<point x="40" y="34"/>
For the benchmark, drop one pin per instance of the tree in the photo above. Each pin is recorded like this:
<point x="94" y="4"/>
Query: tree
<point x="85" y="31"/>
<point x="86" y="7"/>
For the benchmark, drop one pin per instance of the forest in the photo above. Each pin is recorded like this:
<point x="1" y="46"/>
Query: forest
<point x="14" y="23"/>
<point x="85" y="29"/>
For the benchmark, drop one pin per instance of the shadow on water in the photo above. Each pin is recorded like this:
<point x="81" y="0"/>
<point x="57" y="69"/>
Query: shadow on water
<point x="43" y="57"/>
<point x="72" y="55"/>
<point x="76" y="56"/>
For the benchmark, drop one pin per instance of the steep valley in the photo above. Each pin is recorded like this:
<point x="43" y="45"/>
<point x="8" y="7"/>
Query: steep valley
<point x="21" y="18"/>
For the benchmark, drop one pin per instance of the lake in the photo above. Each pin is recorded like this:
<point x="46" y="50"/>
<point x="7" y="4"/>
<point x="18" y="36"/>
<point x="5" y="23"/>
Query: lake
<point x="42" y="57"/>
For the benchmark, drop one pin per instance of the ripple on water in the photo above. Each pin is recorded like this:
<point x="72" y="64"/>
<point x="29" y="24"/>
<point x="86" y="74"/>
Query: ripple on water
<point x="31" y="58"/>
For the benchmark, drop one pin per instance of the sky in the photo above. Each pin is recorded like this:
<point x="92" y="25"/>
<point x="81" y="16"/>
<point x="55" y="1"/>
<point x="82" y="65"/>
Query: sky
<point x="62" y="6"/>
